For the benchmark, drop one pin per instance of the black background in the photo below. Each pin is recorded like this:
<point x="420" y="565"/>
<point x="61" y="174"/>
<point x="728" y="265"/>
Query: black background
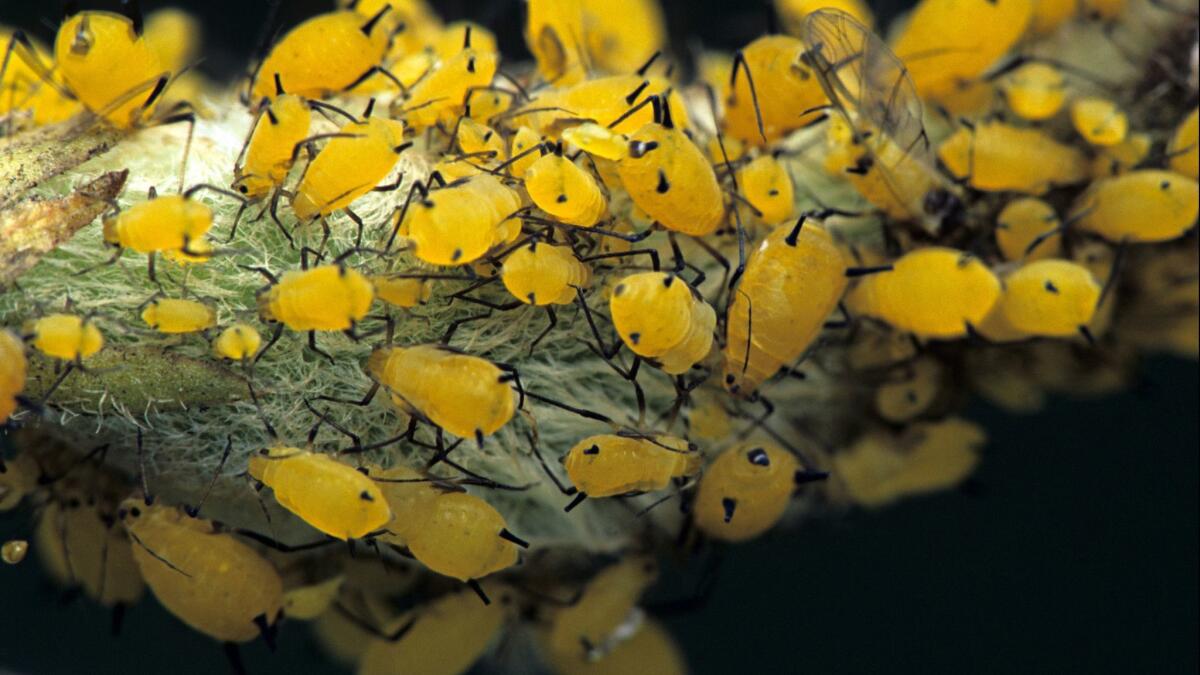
<point x="1079" y="553"/>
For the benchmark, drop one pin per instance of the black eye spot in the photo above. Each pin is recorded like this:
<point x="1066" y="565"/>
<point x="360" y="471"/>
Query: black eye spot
<point x="668" y="280"/>
<point x="135" y="512"/>
<point x="1165" y="185"/>
<point x="729" y="505"/>
<point x="773" y="192"/>
<point x="1051" y="288"/>
<point x="457" y="254"/>
<point x="594" y="450"/>
<point x="470" y="65"/>
<point x="663" y="183"/>
<point x="635" y="337"/>
<point x="911" y="396"/>
<point x="366" y="496"/>
<point x="561" y="199"/>
<point x="758" y="457"/>
<point x="243" y="189"/>
<point x="532" y="298"/>
<point x="619" y="289"/>
<point x="730" y="379"/>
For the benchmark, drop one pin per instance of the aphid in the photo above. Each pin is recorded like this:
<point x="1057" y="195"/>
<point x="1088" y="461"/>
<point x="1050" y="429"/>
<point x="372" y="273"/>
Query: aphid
<point x="1053" y="298"/>
<point x="1026" y="229"/>
<point x="449" y="41"/>
<point x="402" y="292"/>
<point x="568" y="193"/>
<point x="79" y="544"/>
<point x="876" y="347"/>
<point x="23" y="84"/>
<point x="13" y="551"/>
<point x="444" y="637"/>
<point x="309" y="601"/>
<point x="174" y="35"/>
<point x="238" y="342"/>
<point x="606" y="602"/>
<point x="12" y="373"/>
<point x="932" y="292"/>
<point x="1035" y="91"/>
<point x="440" y="95"/>
<point x="176" y="316"/>
<point x="939" y="53"/>
<point x="554" y="33"/>
<point x="651" y="650"/>
<point x="1099" y="121"/>
<point x="159" y="224"/>
<point x="108" y="65"/>
<point x="1147" y="205"/>
<point x="333" y="497"/>
<point x="881" y="467"/>
<point x="458" y="224"/>
<point x="997" y="157"/>
<point x="462" y="536"/>
<point x="1122" y="157"/>
<point x="620" y="35"/>
<point x="793" y="12"/>
<point x="766" y="184"/>
<point x="793" y="280"/>
<point x="772" y="91"/>
<point x="609" y="464"/>
<point x="208" y="579"/>
<point x="522" y="142"/>
<point x="543" y="274"/>
<point x="326" y="54"/>
<point x="349" y="166"/>
<point x="912" y="394"/>
<point x="465" y="395"/>
<point x="408" y="494"/>
<point x="617" y="102"/>
<point x="660" y="317"/>
<point x="745" y="490"/>
<point x="476" y="138"/>
<point x="1184" y="148"/>
<point x="267" y="155"/>
<point x="486" y="103"/>
<point x="66" y="337"/>
<point x="329" y="297"/>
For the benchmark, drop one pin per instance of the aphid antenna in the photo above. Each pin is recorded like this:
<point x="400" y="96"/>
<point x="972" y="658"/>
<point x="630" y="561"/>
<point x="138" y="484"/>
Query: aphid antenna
<point x="739" y="60"/>
<point x="370" y="628"/>
<point x="194" y="511"/>
<point x="322" y="107"/>
<point x="300" y="145"/>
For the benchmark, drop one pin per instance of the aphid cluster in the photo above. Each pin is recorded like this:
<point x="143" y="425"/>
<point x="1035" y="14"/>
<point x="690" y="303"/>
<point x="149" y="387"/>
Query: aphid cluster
<point x="425" y="303"/>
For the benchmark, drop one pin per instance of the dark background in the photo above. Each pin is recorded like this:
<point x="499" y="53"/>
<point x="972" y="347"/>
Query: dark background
<point x="1078" y="552"/>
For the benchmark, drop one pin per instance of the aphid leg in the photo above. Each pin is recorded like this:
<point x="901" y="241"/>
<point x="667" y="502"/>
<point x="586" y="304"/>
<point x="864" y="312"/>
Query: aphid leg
<point x="369" y="628"/>
<point x="649" y="252"/>
<point x="739" y="60"/>
<point x="358" y="222"/>
<point x="579" y="497"/>
<point x="234" y="656"/>
<point x="605" y="353"/>
<point x="117" y="619"/>
<point x="416" y="187"/>
<point x="563" y="488"/>
<point x="194" y="511"/>
<point x="274" y="211"/>
<point x="474" y="586"/>
<point x="312" y="344"/>
<point x="141" y="459"/>
<point x="553" y="321"/>
<point x="270" y="343"/>
<point x="267" y="630"/>
<point x="324" y="417"/>
<point x="458" y="322"/>
<point x="365" y="400"/>
<point x="840" y="323"/>
<point x="324" y="108"/>
<point x="190" y="118"/>
<point x="511" y="375"/>
<point x="58" y="381"/>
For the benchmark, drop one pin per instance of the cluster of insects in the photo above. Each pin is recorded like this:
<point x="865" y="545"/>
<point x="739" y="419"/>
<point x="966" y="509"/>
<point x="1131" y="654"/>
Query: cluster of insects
<point x="1004" y="222"/>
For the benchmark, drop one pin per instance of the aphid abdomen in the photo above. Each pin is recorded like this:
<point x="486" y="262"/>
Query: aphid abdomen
<point x="331" y="496"/>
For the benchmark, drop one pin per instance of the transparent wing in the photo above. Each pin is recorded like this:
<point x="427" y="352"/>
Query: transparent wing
<point x="865" y="80"/>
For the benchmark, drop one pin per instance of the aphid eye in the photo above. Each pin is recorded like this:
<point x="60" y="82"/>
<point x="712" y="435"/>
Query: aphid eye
<point x="135" y="512"/>
<point x="758" y="457"/>
<point x="619" y="289"/>
<point x="594" y="450"/>
<point x="668" y="280"/>
<point x="366" y="496"/>
<point x="730" y="378"/>
<point x="243" y="189"/>
<point x="364" y="471"/>
<point x="635" y="337"/>
<point x="1050" y="287"/>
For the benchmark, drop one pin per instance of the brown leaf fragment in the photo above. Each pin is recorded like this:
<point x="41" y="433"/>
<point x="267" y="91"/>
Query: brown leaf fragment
<point x="32" y="228"/>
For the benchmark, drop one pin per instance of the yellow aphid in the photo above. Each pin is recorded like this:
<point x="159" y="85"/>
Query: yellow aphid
<point x="174" y="35"/>
<point x="209" y="580"/>
<point x="197" y="253"/>
<point x="609" y="464"/>
<point x="1050" y="14"/>
<point x="12" y="375"/>
<point x="1116" y="159"/>
<point x="1035" y="91"/>
<point x="412" y="24"/>
<point x="522" y="142"/>
<point x="323" y="55"/>
<point x="280" y="125"/>
<point x="80" y="545"/>
<point x="597" y="141"/>
<point x="452" y="169"/>
<point x="660" y="317"/>
<point x="554" y="33"/>
<point x="175" y="315"/>
<point x="1052" y="298"/>
<point x="13" y="551"/>
<point x="18" y="477"/>
<point x="311" y="601"/>
<point x="409" y="495"/>
<point x="620" y="35"/>
<point x="1184" y="146"/>
<point x="882" y="467"/>
<point x="793" y="281"/>
<point x="476" y="138"/>
<point x="452" y="36"/>
<point x="650" y="650"/>
<point x="333" y="497"/>
<point x="448" y="635"/>
<point x="329" y="297"/>
<point x="1099" y="121"/>
<point x="997" y="157"/>
<point x="708" y="420"/>
<point x="109" y="67"/>
<point x="542" y="274"/>
<point x="745" y="490"/>
<point x="466" y="395"/>
<point x="68" y="337"/>
<point x="793" y="12"/>
<point x="458" y="224"/>
<point x="440" y="95"/>
<point x="1140" y="206"/>
<point x="939" y="53"/>
<point x="238" y="342"/>
<point x="670" y="179"/>
<point x="461" y="536"/>
<point x="349" y="167"/>
<point x="932" y="292"/>
<point x="766" y="184"/>
<point x="606" y="602"/>
<point x="169" y="222"/>
<point x="24" y="89"/>
<point x="785" y="87"/>
<point x="485" y="104"/>
<point x="911" y="391"/>
<point x="875" y="347"/>
<point x="568" y="193"/>
<point x="402" y="292"/>
<point x="1023" y="222"/>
